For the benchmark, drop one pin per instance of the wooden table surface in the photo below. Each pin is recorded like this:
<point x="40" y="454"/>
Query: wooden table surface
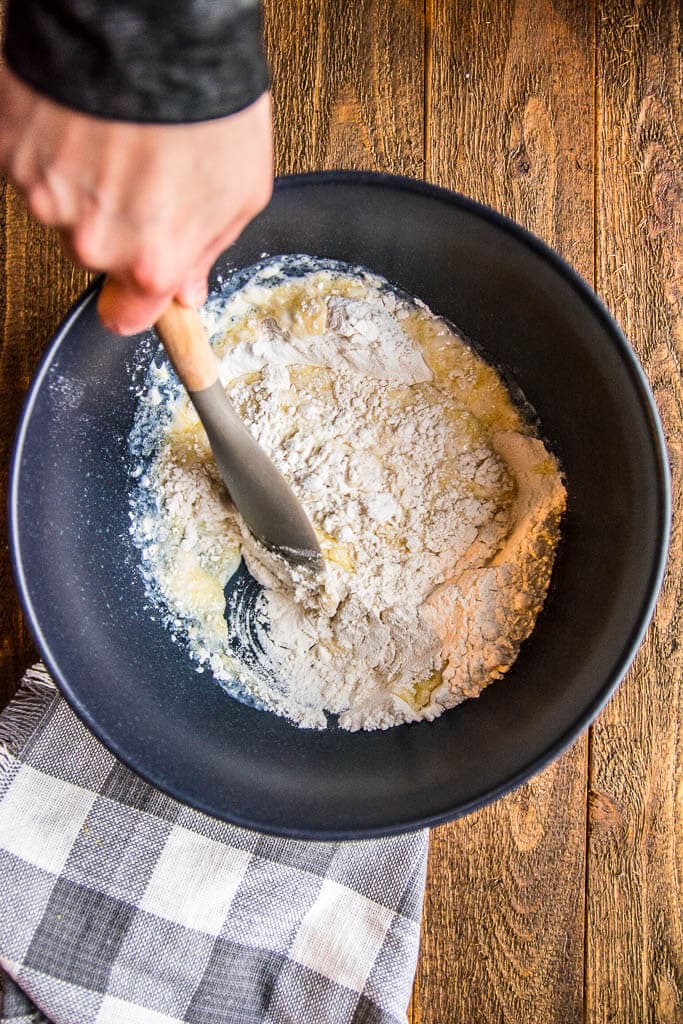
<point x="562" y="902"/>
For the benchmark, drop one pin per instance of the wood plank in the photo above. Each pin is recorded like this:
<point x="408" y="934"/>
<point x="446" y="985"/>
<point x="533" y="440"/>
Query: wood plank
<point x="37" y="284"/>
<point x="503" y="921"/>
<point x="510" y="122"/>
<point x="635" y="854"/>
<point x="347" y="85"/>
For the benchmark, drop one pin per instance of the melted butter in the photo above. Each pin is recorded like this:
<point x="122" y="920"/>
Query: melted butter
<point x="297" y="306"/>
<point x="317" y="378"/>
<point x="188" y="444"/>
<point x="419" y="695"/>
<point x="306" y="380"/>
<point x="305" y="314"/>
<point x="459" y="370"/>
<point x="245" y="378"/>
<point x="185" y="419"/>
<point x="339" y="552"/>
<point x="201" y="589"/>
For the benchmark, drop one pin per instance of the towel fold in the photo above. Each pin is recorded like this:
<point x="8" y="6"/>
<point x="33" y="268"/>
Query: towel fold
<point x="120" y="905"/>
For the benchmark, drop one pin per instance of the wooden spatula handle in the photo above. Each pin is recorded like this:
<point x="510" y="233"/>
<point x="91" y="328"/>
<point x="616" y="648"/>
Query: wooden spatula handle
<point x="187" y="346"/>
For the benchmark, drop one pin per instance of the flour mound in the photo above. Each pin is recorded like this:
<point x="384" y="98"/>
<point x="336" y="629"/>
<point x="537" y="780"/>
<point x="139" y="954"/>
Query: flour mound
<point x="436" y="510"/>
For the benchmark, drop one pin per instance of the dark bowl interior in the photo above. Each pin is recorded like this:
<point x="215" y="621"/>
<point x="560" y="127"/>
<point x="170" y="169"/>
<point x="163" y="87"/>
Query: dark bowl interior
<point x="77" y="573"/>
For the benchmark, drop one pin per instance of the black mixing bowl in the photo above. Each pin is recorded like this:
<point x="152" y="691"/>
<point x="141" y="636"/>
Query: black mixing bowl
<point x="76" y="567"/>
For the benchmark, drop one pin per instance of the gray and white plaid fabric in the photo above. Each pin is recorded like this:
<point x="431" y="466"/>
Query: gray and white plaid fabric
<point x="119" y="905"/>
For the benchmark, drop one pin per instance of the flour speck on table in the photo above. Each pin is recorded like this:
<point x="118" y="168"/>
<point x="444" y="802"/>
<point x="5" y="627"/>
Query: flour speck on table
<point x="436" y="506"/>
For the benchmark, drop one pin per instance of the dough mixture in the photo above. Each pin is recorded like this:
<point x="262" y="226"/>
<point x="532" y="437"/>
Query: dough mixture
<point x="436" y="507"/>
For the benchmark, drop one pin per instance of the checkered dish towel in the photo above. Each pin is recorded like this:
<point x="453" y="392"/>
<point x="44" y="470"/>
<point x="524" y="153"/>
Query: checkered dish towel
<point x="119" y="905"/>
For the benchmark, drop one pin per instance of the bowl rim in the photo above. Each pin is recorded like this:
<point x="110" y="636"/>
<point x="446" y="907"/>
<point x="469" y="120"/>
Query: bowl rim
<point x="631" y="644"/>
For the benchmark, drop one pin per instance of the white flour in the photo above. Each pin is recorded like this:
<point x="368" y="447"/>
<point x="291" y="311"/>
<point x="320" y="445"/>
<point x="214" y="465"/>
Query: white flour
<point x="436" y="512"/>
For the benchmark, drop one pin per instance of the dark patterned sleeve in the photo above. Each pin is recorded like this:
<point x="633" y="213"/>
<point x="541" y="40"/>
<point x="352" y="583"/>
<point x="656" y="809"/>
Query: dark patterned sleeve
<point x="166" y="61"/>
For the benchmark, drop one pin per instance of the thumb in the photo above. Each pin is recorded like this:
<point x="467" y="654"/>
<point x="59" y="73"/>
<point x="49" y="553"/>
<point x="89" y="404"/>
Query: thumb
<point x="125" y="309"/>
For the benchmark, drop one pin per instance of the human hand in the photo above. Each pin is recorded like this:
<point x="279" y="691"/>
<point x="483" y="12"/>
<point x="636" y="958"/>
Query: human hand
<point x="152" y="205"/>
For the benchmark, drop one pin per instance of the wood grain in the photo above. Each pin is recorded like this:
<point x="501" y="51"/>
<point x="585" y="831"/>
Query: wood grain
<point x="187" y="346"/>
<point x="348" y="85"/>
<point x="635" y="852"/>
<point x="510" y="122"/>
<point x="37" y="284"/>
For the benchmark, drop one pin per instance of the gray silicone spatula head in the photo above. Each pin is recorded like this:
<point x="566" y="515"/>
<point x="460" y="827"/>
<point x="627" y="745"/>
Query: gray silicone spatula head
<point x="263" y="497"/>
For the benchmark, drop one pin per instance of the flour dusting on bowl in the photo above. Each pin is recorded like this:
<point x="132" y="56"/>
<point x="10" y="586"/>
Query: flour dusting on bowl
<point x="436" y="506"/>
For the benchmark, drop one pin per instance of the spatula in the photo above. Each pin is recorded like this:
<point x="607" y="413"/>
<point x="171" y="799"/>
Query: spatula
<point x="260" y="492"/>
